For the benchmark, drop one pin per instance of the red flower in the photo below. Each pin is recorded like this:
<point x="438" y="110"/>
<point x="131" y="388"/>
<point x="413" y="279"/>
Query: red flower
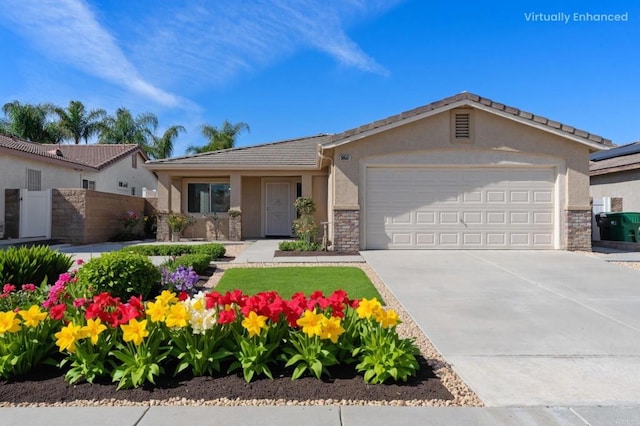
<point x="57" y="312"/>
<point x="227" y="316"/>
<point x="183" y="296"/>
<point x="213" y="299"/>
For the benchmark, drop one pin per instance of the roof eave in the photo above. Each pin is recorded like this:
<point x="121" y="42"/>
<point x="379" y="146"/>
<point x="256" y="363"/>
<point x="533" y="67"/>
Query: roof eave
<point x="173" y="166"/>
<point x="469" y="103"/>
<point x="615" y="169"/>
<point x="49" y="160"/>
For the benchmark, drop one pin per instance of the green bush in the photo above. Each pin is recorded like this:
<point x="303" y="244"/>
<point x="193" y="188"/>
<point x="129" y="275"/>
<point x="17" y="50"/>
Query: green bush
<point x="199" y="261"/>
<point x="214" y="250"/>
<point x="31" y="265"/>
<point x="121" y="274"/>
<point x="298" y="245"/>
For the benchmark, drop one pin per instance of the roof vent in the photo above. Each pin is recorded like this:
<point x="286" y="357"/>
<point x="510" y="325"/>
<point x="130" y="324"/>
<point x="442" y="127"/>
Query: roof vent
<point x="462" y="125"/>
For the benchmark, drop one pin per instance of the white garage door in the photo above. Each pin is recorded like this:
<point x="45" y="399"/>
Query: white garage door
<point x="470" y="208"/>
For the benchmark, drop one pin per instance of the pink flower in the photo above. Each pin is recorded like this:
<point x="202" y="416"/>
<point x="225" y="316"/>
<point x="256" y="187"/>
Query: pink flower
<point x="29" y="287"/>
<point x="80" y="262"/>
<point x="79" y="302"/>
<point x="8" y="288"/>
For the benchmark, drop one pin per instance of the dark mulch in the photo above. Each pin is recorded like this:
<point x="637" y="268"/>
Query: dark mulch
<point x="47" y="385"/>
<point x="296" y="253"/>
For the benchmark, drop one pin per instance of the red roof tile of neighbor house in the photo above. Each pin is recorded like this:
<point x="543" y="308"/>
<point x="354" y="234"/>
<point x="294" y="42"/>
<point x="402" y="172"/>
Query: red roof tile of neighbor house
<point x="472" y="99"/>
<point x="96" y="156"/>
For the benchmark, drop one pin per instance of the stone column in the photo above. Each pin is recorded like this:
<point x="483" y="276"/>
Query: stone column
<point x="346" y="234"/>
<point x="578" y="229"/>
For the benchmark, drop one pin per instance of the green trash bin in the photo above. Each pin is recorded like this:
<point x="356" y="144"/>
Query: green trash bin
<point x="624" y="226"/>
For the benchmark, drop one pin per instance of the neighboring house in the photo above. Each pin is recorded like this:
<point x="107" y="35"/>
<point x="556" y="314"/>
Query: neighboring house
<point x="461" y="173"/>
<point x="115" y="169"/>
<point x="616" y="174"/>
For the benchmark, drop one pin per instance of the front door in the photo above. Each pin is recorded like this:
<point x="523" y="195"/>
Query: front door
<point x="278" y="221"/>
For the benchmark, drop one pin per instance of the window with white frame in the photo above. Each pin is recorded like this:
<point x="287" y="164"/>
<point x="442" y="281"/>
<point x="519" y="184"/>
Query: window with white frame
<point x="89" y="184"/>
<point x="208" y="197"/>
<point x="34" y="180"/>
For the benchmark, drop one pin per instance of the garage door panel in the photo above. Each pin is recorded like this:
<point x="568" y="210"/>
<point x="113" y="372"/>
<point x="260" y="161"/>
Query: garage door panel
<point x="459" y="208"/>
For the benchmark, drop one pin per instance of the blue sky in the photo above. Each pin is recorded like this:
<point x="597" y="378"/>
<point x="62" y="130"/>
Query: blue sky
<point x="292" y="68"/>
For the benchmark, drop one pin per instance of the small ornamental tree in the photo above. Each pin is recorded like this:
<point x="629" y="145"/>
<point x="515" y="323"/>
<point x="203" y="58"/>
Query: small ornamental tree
<point x="304" y="226"/>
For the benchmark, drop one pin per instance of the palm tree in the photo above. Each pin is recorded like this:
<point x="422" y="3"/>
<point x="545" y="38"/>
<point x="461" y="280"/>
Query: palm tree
<point x="30" y="122"/>
<point x="124" y="128"/>
<point x="163" y="146"/>
<point x="224" y="138"/>
<point x="76" y="123"/>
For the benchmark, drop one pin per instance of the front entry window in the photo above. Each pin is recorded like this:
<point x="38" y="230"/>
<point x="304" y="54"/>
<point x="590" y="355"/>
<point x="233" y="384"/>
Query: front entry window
<point x="208" y="197"/>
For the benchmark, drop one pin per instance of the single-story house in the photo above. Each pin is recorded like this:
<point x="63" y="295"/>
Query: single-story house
<point x="24" y="165"/>
<point x="464" y="172"/>
<point x="615" y="174"/>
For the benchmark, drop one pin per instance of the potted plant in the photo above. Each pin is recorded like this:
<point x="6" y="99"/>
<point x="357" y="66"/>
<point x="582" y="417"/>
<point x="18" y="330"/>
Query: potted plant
<point x="178" y="222"/>
<point x="234" y="213"/>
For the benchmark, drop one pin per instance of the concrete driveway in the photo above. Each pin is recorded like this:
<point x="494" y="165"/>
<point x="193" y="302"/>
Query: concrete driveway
<point x="525" y="327"/>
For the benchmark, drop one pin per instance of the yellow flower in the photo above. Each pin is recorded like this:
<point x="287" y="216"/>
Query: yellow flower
<point x="178" y="316"/>
<point x="93" y="330"/>
<point x="9" y="323"/>
<point x="157" y="311"/>
<point x="254" y="323"/>
<point x="311" y="323"/>
<point x="67" y="336"/>
<point x="33" y="316"/>
<point x="167" y="297"/>
<point x="331" y="329"/>
<point x="387" y="318"/>
<point x="366" y="308"/>
<point x="134" y="331"/>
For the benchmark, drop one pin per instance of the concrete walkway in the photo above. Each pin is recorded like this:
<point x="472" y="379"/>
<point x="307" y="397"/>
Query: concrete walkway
<point x="263" y="251"/>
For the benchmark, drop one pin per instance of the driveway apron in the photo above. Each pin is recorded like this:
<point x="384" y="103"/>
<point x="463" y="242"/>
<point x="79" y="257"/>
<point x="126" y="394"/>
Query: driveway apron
<point x="525" y="327"/>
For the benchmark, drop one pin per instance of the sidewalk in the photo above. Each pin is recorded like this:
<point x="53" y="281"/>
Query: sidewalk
<point x="262" y="251"/>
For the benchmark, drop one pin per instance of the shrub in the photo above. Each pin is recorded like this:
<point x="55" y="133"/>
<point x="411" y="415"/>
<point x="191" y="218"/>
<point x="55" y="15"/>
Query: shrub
<point x="199" y="261"/>
<point x="214" y="250"/>
<point x="120" y="274"/>
<point x="298" y="245"/>
<point x="31" y="265"/>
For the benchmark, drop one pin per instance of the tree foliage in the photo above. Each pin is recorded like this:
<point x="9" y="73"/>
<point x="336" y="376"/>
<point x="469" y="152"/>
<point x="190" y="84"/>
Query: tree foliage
<point x="76" y="123"/>
<point x="219" y="138"/>
<point x="30" y="122"/>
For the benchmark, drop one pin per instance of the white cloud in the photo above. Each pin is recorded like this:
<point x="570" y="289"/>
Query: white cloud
<point x="212" y="41"/>
<point x="67" y="30"/>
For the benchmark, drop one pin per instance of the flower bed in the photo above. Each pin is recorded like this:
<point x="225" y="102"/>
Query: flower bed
<point x="97" y="337"/>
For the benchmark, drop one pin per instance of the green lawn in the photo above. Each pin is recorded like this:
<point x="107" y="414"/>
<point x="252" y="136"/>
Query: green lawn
<point x="289" y="280"/>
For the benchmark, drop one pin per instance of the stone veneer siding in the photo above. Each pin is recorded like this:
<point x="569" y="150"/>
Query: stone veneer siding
<point x="235" y="228"/>
<point x="616" y="205"/>
<point x="578" y="231"/>
<point x="346" y="230"/>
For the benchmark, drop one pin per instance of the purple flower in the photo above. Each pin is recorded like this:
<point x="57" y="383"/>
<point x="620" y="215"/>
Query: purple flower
<point x="183" y="279"/>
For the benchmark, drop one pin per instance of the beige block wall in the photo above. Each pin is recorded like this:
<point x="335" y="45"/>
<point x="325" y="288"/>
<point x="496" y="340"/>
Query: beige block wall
<point x="81" y="216"/>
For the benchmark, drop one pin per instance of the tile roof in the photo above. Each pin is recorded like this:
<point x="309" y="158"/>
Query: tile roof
<point x="292" y="153"/>
<point x="96" y="156"/>
<point x="471" y="99"/>
<point x="618" y="159"/>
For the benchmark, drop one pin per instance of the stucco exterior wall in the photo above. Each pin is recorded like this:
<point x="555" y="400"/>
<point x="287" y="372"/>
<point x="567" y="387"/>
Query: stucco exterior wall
<point x="140" y="177"/>
<point x="251" y="207"/>
<point x="492" y="133"/>
<point x="625" y="185"/>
